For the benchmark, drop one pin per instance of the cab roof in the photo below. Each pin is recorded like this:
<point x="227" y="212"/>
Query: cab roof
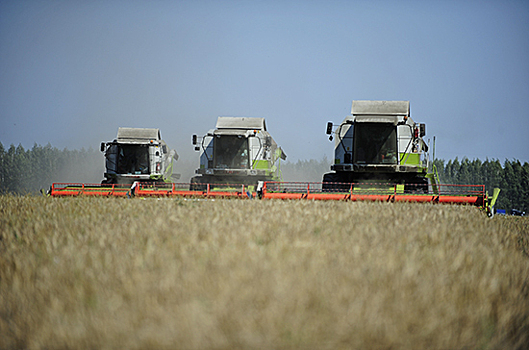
<point x="138" y="134"/>
<point x="244" y="123"/>
<point x="381" y="108"/>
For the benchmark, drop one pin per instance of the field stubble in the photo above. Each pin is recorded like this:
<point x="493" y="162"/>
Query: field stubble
<point x="146" y="273"/>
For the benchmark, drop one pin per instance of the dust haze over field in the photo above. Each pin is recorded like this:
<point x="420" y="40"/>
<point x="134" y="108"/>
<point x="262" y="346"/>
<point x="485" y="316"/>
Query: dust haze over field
<point x="173" y="273"/>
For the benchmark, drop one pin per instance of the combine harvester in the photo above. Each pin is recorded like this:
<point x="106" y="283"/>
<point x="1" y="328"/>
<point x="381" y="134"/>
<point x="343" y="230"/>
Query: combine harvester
<point x="380" y="155"/>
<point x="239" y="151"/>
<point x="137" y="154"/>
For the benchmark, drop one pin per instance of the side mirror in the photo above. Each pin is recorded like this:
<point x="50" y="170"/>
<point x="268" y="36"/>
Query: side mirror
<point x="422" y="130"/>
<point x="102" y="147"/>
<point x="329" y="128"/>
<point x="194" y="139"/>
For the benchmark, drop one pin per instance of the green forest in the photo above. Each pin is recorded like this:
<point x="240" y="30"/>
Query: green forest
<point x="512" y="178"/>
<point x="27" y="171"/>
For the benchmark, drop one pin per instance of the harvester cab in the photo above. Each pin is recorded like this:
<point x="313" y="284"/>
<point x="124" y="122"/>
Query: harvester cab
<point x="380" y="142"/>
<point x="239" y="151"/>
<point x="138" y="154"/>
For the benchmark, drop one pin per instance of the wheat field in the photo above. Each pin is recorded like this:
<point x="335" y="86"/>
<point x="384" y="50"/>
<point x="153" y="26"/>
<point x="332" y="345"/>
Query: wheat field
<point x="109" y="273"/>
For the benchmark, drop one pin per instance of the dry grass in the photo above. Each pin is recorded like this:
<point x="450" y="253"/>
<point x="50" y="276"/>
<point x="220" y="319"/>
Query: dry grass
<point x="137" y="274"/>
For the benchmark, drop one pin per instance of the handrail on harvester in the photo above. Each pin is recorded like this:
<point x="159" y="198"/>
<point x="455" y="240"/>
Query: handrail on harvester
<point x="82" y="189"/>
<point x="455" y="194"/>
<point x="208" y="190"/>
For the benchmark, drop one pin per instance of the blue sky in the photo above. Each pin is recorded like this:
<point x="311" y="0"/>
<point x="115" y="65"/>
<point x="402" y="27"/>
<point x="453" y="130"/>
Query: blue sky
<point x="72" y="72"/>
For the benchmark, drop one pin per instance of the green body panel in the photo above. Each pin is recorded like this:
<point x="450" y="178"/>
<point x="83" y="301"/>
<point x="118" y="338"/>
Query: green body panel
<point x="410" y="159"/>
<point x="273" y="168"/>
<point x="378" y="188"/>
<point x="261" y="164"/>
<point x="495" y="195"/>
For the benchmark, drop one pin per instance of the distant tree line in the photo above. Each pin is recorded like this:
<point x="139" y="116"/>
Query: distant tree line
<point x="27" y="171"/>
<point x="512" y="178"/>
<point x="305" y="170"/>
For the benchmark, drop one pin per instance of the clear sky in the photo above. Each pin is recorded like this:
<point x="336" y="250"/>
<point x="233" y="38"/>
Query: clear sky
<point x="72" y="72"/>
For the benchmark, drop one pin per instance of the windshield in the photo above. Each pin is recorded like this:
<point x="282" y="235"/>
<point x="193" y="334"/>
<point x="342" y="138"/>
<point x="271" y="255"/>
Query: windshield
<point x="375" y="143"/>
<point x="231" y="152"/>
<point x="133" y="159"/>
